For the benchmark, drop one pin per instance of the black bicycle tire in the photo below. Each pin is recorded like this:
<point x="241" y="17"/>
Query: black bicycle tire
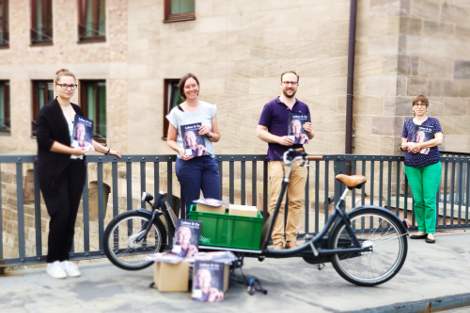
<point x="400" y="257"/>
<point x="116" y="221"/>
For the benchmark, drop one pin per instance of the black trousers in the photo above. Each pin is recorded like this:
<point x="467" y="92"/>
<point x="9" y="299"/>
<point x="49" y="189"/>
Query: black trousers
<point x="62" y="205"/>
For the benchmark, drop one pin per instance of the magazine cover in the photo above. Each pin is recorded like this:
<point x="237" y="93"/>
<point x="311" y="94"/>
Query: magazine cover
<point x="186" y="241"/>
<point x="194" y="144"/>
<point x="296" y="130"/>
<point x="422" y="134"/>
<point x="208" y="281"/>
<point x="82" y="133"/>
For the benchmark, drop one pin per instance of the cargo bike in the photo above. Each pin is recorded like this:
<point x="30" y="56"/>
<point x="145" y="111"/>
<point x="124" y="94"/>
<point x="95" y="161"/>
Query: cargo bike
<point x="367" y="246"/>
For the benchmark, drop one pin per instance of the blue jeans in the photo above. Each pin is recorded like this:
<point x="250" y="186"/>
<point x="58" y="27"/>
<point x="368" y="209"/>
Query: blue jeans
<point x="196" y="174"/>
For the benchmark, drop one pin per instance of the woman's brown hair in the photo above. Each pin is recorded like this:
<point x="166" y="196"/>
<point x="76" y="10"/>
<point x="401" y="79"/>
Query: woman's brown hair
<point x="422" y="99"/>
<point x="63" y="72"/>
<point x="183" y="81"/>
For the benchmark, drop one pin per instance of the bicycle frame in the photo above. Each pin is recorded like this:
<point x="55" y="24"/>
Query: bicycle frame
<point x="309" y="245"/>
<point x="165" y="211"/>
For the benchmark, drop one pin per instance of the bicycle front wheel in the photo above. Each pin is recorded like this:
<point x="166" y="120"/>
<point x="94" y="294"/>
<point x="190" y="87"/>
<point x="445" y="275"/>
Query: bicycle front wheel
<point x="376" y="229"/>
<point x="120" y="240"/>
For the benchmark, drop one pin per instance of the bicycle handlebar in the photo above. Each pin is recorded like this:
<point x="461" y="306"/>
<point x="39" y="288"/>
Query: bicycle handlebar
<point x="288" y="156"/>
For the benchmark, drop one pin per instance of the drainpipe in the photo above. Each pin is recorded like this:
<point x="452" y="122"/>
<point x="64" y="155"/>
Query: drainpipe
<point x="350" y="88"/>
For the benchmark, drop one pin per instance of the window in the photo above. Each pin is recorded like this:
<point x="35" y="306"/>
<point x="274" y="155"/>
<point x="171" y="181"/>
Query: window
<point x="179" y="10"/>
<point x="41" y="22"/>
<point x="171" y="99"/>
<point x="91" y="16"/>
<point x="4" y="34"/>
<point x="93" y="104"/>
<point x="43" y="93"/>
<point x="4" y="107"/>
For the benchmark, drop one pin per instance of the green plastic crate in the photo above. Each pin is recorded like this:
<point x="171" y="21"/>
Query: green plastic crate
<point x="231" y="231"/>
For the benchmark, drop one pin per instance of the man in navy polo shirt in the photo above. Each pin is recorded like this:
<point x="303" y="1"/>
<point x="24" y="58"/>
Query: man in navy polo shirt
<point x="273" y="128"/>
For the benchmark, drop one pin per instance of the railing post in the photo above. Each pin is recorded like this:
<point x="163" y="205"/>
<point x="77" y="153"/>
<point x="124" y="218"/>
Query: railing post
<point x="339" y="168"/>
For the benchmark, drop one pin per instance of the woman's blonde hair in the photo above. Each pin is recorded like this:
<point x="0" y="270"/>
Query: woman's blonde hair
<point x="63" y="72"/>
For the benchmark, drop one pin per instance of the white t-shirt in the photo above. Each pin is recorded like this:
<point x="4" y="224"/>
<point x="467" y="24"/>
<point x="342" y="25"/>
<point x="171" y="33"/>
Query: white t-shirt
<point x="204" y="115"/>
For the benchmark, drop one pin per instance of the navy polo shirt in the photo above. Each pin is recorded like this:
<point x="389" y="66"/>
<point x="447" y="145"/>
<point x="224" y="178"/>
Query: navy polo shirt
<point x="275" y="117"/>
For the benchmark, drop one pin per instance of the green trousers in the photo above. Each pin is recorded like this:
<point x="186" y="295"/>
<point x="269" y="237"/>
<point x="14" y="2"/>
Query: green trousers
<point x="424" y="183"/>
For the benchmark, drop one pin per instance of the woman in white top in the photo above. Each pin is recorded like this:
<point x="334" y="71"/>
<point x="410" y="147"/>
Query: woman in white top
<point x="195" y="173"/>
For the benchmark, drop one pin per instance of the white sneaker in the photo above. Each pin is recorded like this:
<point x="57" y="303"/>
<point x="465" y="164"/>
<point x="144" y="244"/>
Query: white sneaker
<point x="70" y="268"/>
<point x="56" y="270"/>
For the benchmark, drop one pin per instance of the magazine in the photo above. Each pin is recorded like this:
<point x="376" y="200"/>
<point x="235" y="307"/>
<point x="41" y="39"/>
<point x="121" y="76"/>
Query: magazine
<point x="186" y="241"/>
<point x="164" y="257"/>
<point x="211" y="202"/>
<point x="422" y="134"/>
<point x="295" y="129"/>
<point x="225" y="257"/>
<point x="194" y="144"/>
<point x="82" y="133"/>
<point x="208" y="281"/>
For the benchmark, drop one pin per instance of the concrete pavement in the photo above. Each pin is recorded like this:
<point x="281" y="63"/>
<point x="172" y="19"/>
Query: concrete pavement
<point x="434" y="277"/>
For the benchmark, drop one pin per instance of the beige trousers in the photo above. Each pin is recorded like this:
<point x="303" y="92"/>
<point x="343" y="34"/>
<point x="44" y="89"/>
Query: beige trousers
<point x="295" y="191"/>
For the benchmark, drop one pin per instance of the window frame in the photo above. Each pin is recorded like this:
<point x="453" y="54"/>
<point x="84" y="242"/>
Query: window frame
<point x="83" y="90"/>
<point x="46" y="18"/>
<point x="167" y="102"/>
<point x="82" y="8"/>
<point x="35" y="100"/>
<point x="178" y="17"/>
<point x="5" y="43"/>
<point x="6" y="127"/>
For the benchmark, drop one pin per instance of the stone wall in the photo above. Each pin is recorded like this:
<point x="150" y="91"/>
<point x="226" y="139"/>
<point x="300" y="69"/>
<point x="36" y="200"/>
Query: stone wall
<point x="406" y="48"/>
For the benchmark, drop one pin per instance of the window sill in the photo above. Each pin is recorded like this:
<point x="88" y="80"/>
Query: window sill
<point x="5" y="133"/>
<point x="179" y="19"/>
<point x="5" y="46"/>
<point x="41" y="43"/>
<point x="91" y="40"/>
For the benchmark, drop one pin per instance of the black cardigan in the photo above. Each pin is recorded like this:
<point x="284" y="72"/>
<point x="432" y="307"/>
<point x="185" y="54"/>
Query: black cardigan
<point x="52" y="126"/>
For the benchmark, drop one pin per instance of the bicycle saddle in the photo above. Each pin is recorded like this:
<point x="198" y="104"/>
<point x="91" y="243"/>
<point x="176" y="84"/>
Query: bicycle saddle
<point x="352" y="181"/>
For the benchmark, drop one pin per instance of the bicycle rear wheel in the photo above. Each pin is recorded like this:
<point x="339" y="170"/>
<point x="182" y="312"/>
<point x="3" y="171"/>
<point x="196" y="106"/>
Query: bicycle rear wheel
<point x="120" y="244"/>
<point x="389" y="244"/>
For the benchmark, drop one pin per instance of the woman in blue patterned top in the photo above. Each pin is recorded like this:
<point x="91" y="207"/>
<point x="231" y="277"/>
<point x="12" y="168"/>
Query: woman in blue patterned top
<point x="420" y="137"/>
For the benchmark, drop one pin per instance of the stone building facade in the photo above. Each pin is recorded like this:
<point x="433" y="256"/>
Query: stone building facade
<point x="238" y="50"/>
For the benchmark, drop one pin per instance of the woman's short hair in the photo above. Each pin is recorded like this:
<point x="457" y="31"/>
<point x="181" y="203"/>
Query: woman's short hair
<point x="63" y="72"/>
<point x="422" y="99"/>
<point x="183" y="81"/>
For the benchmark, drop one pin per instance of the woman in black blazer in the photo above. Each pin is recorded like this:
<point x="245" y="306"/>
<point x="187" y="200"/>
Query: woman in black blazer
<point x="61" y="171"/>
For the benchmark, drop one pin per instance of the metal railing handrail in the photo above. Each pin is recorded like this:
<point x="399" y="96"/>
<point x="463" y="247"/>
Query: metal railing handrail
<point x="244" y="180"/>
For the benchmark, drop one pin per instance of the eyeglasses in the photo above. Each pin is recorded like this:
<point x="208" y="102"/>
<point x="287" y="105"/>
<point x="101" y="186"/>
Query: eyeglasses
<point x="289" y="83"/>
<point x="65" y="86"/>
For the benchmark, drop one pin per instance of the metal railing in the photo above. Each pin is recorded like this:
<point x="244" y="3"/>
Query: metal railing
<point x="115" y="185"/>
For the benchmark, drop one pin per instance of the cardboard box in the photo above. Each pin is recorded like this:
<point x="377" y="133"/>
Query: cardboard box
<point x="171" y="277"/>
<point x="211" y="209"/>
<point x="243" y="210"/>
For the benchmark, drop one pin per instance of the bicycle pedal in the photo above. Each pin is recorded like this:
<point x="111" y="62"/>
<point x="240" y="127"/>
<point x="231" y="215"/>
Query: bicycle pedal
<point x="321" y="266"/>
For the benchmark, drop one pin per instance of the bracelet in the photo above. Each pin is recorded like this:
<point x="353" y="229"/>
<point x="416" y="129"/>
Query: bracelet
<point x="107" y="152"/>
<point x="210" y="135"/>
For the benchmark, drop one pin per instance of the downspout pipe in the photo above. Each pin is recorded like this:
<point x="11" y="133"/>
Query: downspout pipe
<point x="350" y="87"/>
